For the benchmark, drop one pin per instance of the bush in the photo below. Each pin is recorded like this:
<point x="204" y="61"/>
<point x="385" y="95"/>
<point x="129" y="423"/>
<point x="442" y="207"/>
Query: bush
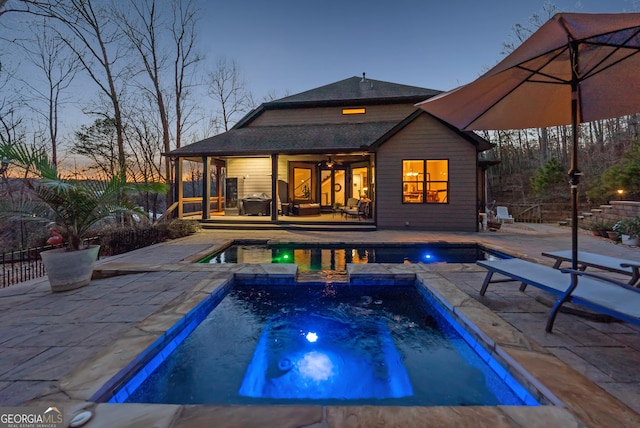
<point x="121" y="239"/>
<point x="179" y="228"/>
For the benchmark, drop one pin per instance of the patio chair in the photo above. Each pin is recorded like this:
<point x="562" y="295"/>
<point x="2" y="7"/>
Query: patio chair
<point x="361" y="210"/>
<point x="503" y="216"/>
<point x="351" y="203"/>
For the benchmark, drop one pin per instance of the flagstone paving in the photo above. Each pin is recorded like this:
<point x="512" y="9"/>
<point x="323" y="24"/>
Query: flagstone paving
<point x="61" y="348"/>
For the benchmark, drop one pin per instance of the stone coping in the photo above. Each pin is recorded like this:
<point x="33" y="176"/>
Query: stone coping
<point x="572" y="399"/>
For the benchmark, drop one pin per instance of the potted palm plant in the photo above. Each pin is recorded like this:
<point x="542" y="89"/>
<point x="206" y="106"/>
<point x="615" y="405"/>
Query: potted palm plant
<point x="69" y="208"/>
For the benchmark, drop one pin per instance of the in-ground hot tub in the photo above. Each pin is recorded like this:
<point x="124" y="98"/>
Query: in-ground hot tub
<point x="318" y="343"/>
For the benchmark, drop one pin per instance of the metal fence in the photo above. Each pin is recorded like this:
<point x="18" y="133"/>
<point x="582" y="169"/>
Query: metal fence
<point x="24" y="265"/>
<point x="538" y="212"/>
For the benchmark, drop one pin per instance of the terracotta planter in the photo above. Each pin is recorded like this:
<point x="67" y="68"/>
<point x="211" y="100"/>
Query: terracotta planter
<point x="613" y="235"/>
<point x="68" y="270"/>
<point x="493" y="225"/>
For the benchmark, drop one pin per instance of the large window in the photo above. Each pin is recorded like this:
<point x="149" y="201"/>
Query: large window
<point x="303" y="186"/>
<point x="425" y="181"/>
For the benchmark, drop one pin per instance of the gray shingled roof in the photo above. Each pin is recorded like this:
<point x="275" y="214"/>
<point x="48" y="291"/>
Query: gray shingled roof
<point x="330" y="138"/>
<point x="245" y="140"/>
<point x="356" y="89"/>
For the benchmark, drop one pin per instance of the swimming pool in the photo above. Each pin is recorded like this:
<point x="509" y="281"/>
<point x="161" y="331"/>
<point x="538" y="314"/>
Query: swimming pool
<point x="335" y="257"/>
<point x="320" y="343"/>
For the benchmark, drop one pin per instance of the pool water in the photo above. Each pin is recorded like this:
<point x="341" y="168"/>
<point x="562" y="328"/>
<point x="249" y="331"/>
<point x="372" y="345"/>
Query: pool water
<point x="324" y="344"/>
<point x="335" y="258"/>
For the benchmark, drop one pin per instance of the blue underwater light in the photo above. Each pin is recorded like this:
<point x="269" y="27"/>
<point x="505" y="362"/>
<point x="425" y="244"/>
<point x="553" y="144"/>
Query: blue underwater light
<point x="290" y="362"/>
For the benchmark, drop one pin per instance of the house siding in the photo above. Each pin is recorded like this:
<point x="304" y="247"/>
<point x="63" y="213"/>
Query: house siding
<point x="254" y="175"/>
<point x="321" y="115"/>
<point x="426" y="138"/>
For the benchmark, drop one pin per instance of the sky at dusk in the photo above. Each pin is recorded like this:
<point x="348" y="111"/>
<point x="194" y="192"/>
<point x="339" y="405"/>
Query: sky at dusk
<point x="295" y="45"/>
<point x="284" y="47"/>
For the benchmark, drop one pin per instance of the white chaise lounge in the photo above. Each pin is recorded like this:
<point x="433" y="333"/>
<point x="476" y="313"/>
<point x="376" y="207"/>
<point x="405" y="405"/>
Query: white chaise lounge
<point x="503" y="216"/>
<point x="592" y="291"/>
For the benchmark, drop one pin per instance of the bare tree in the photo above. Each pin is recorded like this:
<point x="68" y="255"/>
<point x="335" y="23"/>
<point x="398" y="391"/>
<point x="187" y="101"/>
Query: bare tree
<point x="10" y="104"/>
<point x="185" y="58"/>
<point x="86" y="28"/>
<point x="10" y="122"/>
<point x="521" y="32"/>
<point x="144" y="24"/>
<point x="25" y="6"/>
<point x="145" y="141"/>
<point x="228" y="89"/>
<point x="59" y="69"/>
<point x="270" y="96"/>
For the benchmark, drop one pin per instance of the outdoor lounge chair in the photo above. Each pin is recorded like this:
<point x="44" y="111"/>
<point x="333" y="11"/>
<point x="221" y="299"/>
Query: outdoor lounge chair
<point x="503" y="216"/>
<point x="595" y="292"/>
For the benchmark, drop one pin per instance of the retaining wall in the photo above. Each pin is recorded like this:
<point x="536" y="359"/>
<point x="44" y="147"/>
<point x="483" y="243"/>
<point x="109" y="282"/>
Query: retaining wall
<point x="611" y="213"/>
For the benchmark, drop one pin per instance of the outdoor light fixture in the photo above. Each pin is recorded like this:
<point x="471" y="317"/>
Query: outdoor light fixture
<point x="620" y="192"/>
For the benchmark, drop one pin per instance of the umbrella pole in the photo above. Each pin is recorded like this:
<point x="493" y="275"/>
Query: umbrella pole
<point x="574" y="172"/>
<point x="574" y="179"/>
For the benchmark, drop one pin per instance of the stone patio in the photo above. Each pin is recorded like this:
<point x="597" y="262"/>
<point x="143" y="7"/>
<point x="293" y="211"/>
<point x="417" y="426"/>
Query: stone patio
<point x="60" y="349"/>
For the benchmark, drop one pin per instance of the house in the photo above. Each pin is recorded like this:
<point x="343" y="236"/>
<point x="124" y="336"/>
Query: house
<point x="354" y="140"/>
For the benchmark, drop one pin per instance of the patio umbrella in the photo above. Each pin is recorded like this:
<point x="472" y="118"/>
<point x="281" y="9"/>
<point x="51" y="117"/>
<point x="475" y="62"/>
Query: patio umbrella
<point x="575" y="68"/>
